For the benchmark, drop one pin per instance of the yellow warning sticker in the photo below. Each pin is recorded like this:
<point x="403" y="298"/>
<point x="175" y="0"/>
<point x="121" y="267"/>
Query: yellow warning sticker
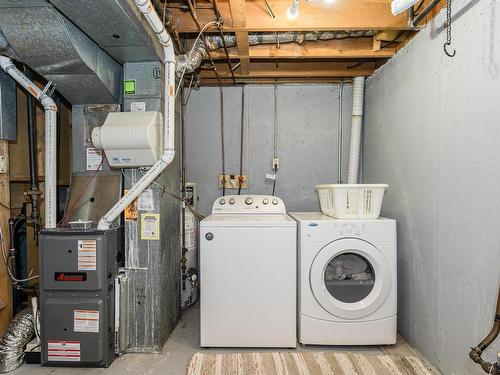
<point x="150" y="226"/>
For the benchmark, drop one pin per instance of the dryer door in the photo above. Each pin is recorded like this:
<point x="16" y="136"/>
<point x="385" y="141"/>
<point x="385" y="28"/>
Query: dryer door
<point x="350" y="278"/>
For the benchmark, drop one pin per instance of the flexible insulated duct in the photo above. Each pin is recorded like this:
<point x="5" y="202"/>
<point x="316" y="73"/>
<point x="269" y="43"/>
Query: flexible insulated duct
<point x="358" y="94"/>
<point x="189" y="62"/>
<point x="19" y="332"/>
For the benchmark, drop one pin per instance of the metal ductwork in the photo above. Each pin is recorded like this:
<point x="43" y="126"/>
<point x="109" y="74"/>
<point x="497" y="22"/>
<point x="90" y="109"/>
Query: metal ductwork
<point x="51" y="45"/>
<point x="116" y="26"/>
<point x="20" y="331"/>
<point x="190" y="61"/>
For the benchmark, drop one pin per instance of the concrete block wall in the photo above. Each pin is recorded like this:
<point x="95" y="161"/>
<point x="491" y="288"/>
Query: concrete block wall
<point x="306" y="140"/>
<point x="432" y="133"/>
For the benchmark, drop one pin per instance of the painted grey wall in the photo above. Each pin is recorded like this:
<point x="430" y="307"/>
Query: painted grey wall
<point x="306" y="140"/>
<point x="432" y="133"/>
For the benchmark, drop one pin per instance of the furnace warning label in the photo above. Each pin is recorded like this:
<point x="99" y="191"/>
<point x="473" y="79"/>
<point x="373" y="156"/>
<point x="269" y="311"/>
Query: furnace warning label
<point x="86" y="321"/>
<point x="150" y="226"/>
<point x="94" y="159"/>
<point x="63" y="351"/>
<point x="87" y="256"/>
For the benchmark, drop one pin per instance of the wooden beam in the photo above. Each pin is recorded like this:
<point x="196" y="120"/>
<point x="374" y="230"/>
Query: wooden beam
<point x="361" y="48"/>
<point x="5" y="285"/>
<point x="238" y="17"/>
<point x="313" y="15"/>
<point x="297" y="69"/>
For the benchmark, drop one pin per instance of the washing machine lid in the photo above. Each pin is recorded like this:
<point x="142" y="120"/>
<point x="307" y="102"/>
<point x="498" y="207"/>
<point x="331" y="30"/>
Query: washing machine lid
<point x="350" y="278"/>
<point x="248" y="220"/>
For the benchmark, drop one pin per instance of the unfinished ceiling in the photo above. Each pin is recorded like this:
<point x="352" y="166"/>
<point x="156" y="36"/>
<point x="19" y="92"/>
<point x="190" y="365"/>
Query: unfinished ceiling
<point x="378" y="36"/>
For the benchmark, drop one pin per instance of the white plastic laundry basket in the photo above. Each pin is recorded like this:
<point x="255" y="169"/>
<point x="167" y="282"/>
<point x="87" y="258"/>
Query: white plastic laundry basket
<point x="351" y="201"/>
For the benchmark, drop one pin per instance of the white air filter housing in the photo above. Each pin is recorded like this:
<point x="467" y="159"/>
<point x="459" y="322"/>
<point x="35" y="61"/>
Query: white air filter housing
<point x="130" y="139"/>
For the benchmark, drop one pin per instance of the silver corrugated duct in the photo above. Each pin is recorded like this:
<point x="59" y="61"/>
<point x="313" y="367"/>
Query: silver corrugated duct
<point x="192" y="60"/>
<point x="20" y="331"/>
<point x="55" y="48"/>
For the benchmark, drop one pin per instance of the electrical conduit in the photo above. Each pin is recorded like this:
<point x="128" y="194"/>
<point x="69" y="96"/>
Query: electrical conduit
<point x="149" y="12"/>
<point x="357" y="122"/>
<point x="50" y="109"/>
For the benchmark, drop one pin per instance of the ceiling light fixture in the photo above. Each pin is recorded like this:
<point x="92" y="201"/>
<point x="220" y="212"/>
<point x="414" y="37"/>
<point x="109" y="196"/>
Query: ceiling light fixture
<point x="399" y="6"/>
<point x="293" y="11"/>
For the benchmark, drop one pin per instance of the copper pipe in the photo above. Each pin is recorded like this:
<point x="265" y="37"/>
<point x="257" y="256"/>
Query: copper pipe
<point x="475" y="353"/>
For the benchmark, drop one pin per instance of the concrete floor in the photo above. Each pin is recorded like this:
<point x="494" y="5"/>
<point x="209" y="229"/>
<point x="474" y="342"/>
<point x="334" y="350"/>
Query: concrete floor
<point x="183" y="343"/>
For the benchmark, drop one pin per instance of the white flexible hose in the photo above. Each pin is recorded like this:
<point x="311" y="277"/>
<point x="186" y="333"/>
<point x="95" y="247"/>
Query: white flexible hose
<point x="358" y="94"/>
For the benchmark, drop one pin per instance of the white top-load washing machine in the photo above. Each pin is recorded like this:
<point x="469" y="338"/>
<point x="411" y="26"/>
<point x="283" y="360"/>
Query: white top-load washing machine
<point x="347" y="280"/>
<point x="248" y="274"/>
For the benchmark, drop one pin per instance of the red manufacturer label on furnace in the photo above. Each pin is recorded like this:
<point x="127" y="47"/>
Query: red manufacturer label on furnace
<point x="70" y="276"/>
<point x="63" y="351"/>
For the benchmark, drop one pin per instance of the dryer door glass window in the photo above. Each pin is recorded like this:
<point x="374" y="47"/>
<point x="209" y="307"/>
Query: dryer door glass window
<point x="349" y="277"/>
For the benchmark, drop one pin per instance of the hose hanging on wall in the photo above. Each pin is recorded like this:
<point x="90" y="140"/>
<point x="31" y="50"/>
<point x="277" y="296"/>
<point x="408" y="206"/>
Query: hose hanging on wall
<point x="240" y="180"/>
<point x="223" y="181"/>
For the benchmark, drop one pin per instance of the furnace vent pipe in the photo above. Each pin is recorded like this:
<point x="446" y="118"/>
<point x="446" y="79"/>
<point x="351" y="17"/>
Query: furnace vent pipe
<point x="358" y="94"/>
<point x="149" y="12"/>
<point x="50" y="109"/>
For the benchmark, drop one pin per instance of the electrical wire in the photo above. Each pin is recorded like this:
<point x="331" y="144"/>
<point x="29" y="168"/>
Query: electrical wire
<point x="175" y="196"/>
<point x="7" y="267"/>
<point x="275" y="141"/>
<point x="210" y="24"/>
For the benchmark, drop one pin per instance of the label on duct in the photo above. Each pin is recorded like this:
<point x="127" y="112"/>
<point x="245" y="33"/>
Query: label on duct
<point x="63" y="351"/>
<point x="87" y="256"/>
<point x="150" y="227"/>
<point x="86" y="321"/>
<point x="94" y="159"/>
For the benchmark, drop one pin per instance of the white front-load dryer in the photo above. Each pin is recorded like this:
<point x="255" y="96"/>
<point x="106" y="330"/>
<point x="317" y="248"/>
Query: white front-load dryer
<point x="347" y="280"/>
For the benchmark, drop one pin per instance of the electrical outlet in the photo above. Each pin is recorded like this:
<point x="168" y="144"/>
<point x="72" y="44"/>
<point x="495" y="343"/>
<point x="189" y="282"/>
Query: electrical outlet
<point x="233" y="181"/>
<point x="3" y="164"/>
<point x="276" y="163"/>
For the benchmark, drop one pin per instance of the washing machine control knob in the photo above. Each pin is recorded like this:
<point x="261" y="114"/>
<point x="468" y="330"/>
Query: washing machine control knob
<point x="222" y="201"/>
<point x="248" y="200"/>
<point x="275" y="201"/>
<point x="231" y="201"/>
<point x="265" y="201"/>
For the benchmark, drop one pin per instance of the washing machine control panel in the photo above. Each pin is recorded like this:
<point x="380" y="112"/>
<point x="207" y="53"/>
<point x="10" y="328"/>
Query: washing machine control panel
<point x="256" y="204"/>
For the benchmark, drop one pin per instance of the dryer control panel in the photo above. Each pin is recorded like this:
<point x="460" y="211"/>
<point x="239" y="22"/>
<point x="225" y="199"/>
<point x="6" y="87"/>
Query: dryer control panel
<point x="248" y="204"/>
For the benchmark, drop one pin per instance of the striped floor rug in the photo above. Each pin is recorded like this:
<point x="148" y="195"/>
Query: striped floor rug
<point x="304" y="363"/>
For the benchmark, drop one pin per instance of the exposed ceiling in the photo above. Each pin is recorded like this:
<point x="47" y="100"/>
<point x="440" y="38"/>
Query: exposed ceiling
<point x="328" y="60"/>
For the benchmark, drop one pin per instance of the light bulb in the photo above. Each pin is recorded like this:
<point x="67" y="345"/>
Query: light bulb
<point x="293" y="11"/>
<point x="329" y="1"/>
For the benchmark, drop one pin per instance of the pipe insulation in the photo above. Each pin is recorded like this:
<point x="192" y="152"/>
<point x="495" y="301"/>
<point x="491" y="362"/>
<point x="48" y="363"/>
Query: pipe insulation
<point x="19" y="332"/>
<point x="149" y="12"/>
<point x="193" y="59"/>
<point x="358" y="94"/>
<point x="50" y="109"/>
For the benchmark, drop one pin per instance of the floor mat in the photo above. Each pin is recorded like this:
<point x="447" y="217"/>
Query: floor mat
<point x="304" y="363"/>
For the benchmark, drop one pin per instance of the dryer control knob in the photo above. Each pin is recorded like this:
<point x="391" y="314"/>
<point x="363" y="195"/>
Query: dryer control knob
<point x="248" y="200"/>
<point x="275" y="201"/>
<point x="231" y="201"/>
<point x="265" y="201"/>
<point x="222" y="201"/>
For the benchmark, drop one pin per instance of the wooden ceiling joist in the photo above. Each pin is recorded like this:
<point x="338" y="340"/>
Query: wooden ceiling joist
<point x="313" y="15"/>
<point x="329" y="49"/>
<point x="238" y="17"/>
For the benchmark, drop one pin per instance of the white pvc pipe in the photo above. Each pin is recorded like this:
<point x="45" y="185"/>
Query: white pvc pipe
<point x="147" y="9"/>
<point x="358" y="94"/>
<point x="50" y="109"/>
